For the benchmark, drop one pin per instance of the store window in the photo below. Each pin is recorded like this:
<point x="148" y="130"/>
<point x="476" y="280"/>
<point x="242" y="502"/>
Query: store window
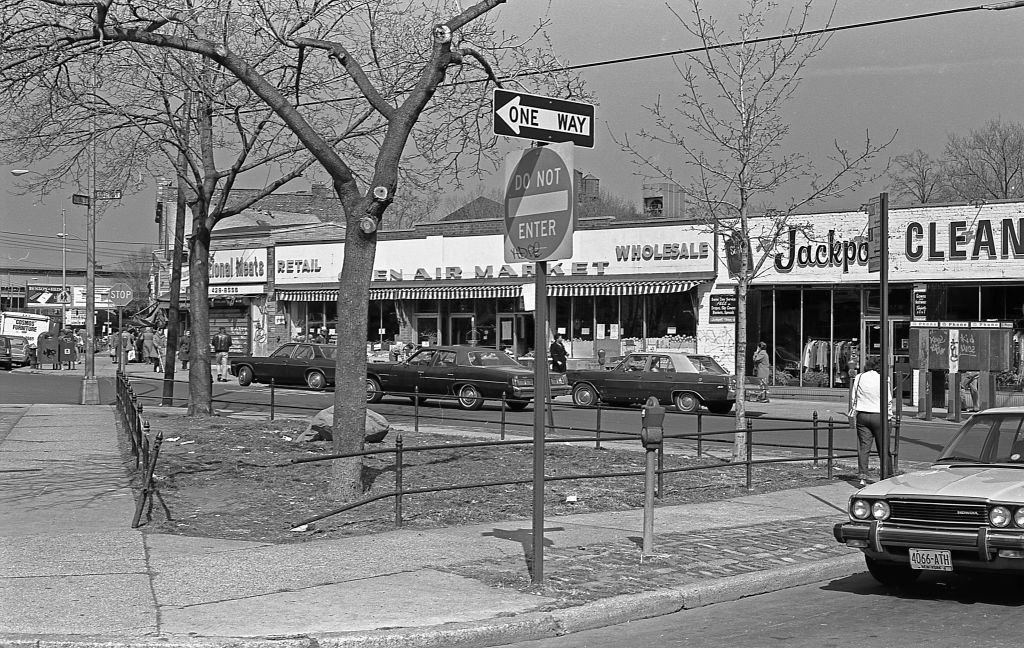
<point x="563" y="316"/>
<point x="606" y="314"/>
<point x="1002" y="302"/>
<point x="382" y="321"/>
<point x="583" y="319"/>
<point x="671" y="316"/>
<point x="962" y="303"/>
<point x="631" y="308"/>
<point x="900" y="301"/>
<point x="816" y="323"/>
<point x="788" y="345"/>
<point x="485" y="322"/>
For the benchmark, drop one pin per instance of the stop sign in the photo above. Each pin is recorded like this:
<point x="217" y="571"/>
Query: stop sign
<point x="539" y="203"/>
<point x="120" y="294"/>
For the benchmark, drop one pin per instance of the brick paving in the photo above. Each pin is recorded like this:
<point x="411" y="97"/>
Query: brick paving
<point x="577" y="575"/>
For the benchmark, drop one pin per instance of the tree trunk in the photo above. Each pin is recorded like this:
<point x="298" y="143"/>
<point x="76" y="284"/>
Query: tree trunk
<point x="200" y="381"/>
<point x="350" y="372"/>
<point x="739" y="450"/>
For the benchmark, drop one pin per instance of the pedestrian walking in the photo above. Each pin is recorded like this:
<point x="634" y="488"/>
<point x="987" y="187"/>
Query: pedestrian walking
<point x="866" y="409"/>
<point x="160" y="341"/>
<point x="762" y="369"/>
<point x="221" y="345"/>
<point x="149" y="350"/>
<point x="184" y="348"/>
<point x="558" y="354"/>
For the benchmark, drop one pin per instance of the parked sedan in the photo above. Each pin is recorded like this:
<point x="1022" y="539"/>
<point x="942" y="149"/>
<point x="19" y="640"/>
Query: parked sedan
<point x="294" y="363"/>
<point x="687" y="380"/>
<point x="19" y="350"/>
<point x="963" y="514"/>
<point x="470" y="373"/>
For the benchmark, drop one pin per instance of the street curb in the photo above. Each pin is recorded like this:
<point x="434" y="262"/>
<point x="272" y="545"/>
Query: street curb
<point x="494" y="632"/>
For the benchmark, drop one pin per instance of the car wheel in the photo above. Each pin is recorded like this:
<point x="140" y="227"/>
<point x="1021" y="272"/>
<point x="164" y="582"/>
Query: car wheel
<point x="720" y="407"/>
<point x="469" y="398"/>
<point x="686" y="402"/>
<point x="316" y="380"/>
<point x="584" y="395"/>
<point x="891" y="574"/>
<point x="245" y="376"/>
<point x="373" y="391"/>
<point x="516" y="405"/>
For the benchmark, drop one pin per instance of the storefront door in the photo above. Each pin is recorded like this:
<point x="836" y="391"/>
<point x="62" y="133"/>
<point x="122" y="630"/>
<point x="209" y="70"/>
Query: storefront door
<point x="460" y="329"/>
<point x="899" y="343"/>
<point x="515" y="332"/>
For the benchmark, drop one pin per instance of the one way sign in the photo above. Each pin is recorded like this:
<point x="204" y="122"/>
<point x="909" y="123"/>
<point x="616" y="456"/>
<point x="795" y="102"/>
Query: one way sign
<point x="534" y="117"/>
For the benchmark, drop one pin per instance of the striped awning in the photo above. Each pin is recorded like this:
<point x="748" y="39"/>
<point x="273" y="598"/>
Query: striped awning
<point x="568" y="289"/>
<point x="447" y="292"/>
<point x="619" y="288"/>
<point x="409" y="292"/>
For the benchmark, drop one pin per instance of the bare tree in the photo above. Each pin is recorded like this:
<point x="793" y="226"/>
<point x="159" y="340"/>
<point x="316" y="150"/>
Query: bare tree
<point x="727" y="124"/>
<point x="987" y="163"/>
<point x="136" y="271"/>
<point x="917" y="177"/>
<point x="406" y="68"/>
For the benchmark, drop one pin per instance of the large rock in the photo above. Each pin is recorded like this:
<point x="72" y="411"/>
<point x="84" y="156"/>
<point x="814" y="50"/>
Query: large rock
<point x="321" y="426"/>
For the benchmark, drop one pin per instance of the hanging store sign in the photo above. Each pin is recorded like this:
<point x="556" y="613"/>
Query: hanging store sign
<point x="722" y="308"/>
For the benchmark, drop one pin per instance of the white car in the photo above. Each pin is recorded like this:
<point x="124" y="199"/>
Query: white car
<point x="963" y="514"/>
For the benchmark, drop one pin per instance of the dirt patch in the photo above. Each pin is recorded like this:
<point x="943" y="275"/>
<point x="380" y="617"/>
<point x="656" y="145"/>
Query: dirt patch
<point x="230" y="478"/>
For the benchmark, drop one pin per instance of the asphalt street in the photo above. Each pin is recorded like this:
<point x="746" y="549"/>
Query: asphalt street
<point x="939" y="612"/>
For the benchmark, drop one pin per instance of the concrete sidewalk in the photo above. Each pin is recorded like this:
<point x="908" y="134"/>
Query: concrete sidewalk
<point x="73" y="572"/>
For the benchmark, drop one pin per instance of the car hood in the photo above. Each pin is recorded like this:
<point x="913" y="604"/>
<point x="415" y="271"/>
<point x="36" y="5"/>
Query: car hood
<point x="987" y="482"/>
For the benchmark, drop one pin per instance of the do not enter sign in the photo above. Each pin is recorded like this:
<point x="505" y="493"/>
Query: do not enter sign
<point x="539" y="203"/>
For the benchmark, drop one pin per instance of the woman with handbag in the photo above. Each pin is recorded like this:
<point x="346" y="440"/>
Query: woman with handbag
<point x="866" y="410"/>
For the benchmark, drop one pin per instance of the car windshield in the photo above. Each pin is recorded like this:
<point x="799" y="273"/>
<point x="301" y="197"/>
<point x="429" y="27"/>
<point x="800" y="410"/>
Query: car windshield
<point x="707" y="365"/>
<point x="987" y="438"/>
<point x="490" y="358"/>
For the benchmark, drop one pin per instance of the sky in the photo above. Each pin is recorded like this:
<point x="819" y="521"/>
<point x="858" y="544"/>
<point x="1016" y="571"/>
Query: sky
<point x="920" y="79"/>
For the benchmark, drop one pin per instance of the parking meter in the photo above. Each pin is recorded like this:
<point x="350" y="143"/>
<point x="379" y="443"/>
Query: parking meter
<point x="652" y="421"/>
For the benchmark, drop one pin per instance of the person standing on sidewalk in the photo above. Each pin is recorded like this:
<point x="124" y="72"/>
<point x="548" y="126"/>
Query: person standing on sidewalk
<point x="184" y="348"/>
<point x="221" y="346"/>
<point x="866" y="409"/>
<point x="149" y="350"/>
<point x="762" y="369"/>
<point x="160" y="340"/>
<point x="558" y="355"/>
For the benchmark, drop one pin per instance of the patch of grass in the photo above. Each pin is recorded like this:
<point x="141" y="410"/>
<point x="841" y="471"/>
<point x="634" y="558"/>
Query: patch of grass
<point x="222" y="477"/>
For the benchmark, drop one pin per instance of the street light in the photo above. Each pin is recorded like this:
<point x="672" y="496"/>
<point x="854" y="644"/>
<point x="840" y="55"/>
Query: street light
<point x="63" y="236"/>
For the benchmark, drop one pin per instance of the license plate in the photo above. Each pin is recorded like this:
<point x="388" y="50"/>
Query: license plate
<point x="931" y="559"/>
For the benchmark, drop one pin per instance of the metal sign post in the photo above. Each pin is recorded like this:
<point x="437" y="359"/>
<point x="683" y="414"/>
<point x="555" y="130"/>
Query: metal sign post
<point x="539" y="225"/>
<point x="878" y="225"/>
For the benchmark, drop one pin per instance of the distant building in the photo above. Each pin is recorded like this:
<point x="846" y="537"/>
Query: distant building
<point x="664" y="200"/>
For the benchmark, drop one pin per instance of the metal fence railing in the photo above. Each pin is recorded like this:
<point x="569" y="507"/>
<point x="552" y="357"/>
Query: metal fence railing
<point x="145" y="448"/>
<point x="766" y="442"/>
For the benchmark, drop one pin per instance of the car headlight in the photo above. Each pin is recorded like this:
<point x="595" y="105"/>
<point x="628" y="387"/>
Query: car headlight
<point x="999" y="516"/>
<point x="880" y="510"/>
<point x="860" y="509"/>
<point x="558" y="379"/>
<point x="1018" y="517"/>
<point x="522" y="381"/>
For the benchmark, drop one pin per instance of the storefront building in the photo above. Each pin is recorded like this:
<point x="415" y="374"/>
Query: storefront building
<point x="238" y="292"/>
<point x="816" y="305"/>
<point x="628" y="285"/>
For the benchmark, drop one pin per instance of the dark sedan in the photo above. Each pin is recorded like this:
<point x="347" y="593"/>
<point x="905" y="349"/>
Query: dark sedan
<point x="294" y="363"/>
<point x="471" y="374"/>
<point x="685" y="379"/>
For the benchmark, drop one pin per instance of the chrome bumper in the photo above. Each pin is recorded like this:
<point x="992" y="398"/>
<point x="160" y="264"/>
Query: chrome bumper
<point x="975" y="547"/>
